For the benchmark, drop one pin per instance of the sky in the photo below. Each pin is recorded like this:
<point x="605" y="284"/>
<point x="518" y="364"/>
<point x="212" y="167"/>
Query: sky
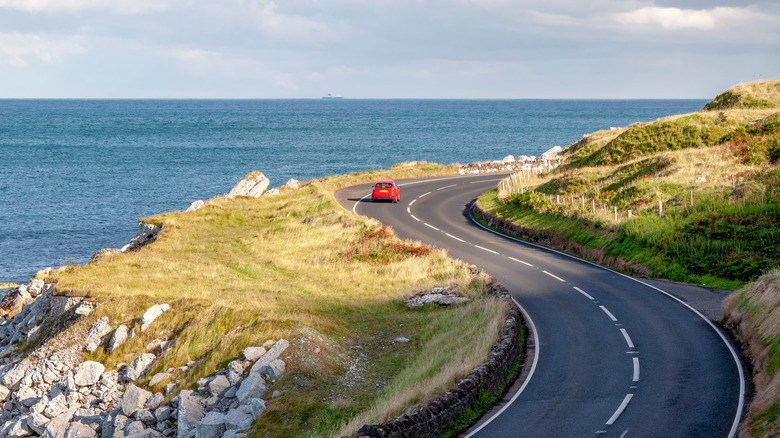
<point x="480" y="49"/>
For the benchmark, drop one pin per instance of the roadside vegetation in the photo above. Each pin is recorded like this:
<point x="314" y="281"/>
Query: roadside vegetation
<point x="692" y="198"/>
<point x="238" y="272"/>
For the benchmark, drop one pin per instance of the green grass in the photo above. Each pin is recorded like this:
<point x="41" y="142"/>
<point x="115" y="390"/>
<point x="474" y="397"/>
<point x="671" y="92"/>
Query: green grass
<point x="241" y="271"/>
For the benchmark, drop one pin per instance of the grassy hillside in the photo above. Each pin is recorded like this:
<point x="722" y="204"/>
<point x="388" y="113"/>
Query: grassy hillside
<point x="715" y="174"/>
<point x="298" y="266"/>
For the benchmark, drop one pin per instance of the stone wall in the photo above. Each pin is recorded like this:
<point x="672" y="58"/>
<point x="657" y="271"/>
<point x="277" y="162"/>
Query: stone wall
<point x="435" y="418"/>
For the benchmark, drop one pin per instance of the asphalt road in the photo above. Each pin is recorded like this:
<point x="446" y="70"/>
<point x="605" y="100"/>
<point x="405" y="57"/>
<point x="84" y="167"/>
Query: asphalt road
<point x="613" y="357"/>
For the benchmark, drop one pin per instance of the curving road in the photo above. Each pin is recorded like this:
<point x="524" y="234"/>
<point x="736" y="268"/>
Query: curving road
<point x="614" y="356"/>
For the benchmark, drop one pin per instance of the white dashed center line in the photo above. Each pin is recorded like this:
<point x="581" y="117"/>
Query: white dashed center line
<point x="584" y="293"/>
<point x="430" y="226"/>
<point x="424" y="194"/>
<point x="456" y="238"/>
<point x="520" y="261"/>
<point x="446" y="187"/>
<point x="628" y="338"/>
<point x="620" y="409"/>
<point x="414" y="217"/>
<point x="611" y="316"/>
<point x="636" y="369"/>
<point x="485" y="249"/>
<point x="555" y="277"/>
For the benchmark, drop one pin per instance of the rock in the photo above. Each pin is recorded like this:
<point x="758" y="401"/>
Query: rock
<point x="251" y="387"/>
<point x="146" y="233"/>
<point x="273" y="192"/>
<point x="212" y="425"/>
<point x="119" y="337"/>
<point x="19" y="429"/>
<point x="170" y="387"/>
<point x="99" y="329"/>
<point x="272" y="371"/>
<point x="4" y="393"/>
<point x="88" y="373"/>
<point x="138" y="367"/>
<point x="220" y="384"/>
<point x="36" y="287"/>
<point x="401" y="339"/>
<point x="37" y="422"/>
<point x="151" y="314"/>
<point x="195" y="205"/>
<point x="552" y="153"/>
<point x="26" y="395"/>
<point x="154" y="401"/>
<point x="162" y="413"/>
<point x="190" y="412"/>
<point x="449" y="301"/>
<point x="252" y="184"/>
<point x="145" y="416"/>
<point x="233" y="377"/>
<point x="236" y="366"/>
<point x="134" y="427"/>
<point x="508" y="159"/>
<point x="133" y="400"/>
<point x="14" y="301"/>
<point x="105" y="252"/>
<point x="291" y="183"/>
<point x="700" y="180"/>
<point x="146" y="433"/>
<point x="79" y="430"/>
<point x="275" y="394"/>
<point x="258" y="406"/>
<point x="252" y="354"/>
<point x="239" y="418"/>
<point x="230" y="393"/>
<point x="57" y="427"/>
<point x="57" y="407"/>
<point x="272" y="354"/>
<point x="13" y="375"/>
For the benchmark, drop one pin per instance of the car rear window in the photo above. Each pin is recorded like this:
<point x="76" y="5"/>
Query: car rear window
<point x="384" y="185"/>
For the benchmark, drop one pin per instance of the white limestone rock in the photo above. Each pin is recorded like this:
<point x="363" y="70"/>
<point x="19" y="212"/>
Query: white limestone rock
<point x="133" y="400"/>
<point x="158" y="378"/>
<point x="272" y="354"/>
<point x="252" y="184"/>
<point x="258" y="406"/>
<point x="253" y="386"/>
<point x="88" y="373"/>
<point x="212" y="425"/>
<point x="218" y="385"/>
<point x="119" y="337"/>
<point x="78" y="429"/>
<point x="273" y="371"/>
<point x="190" y="412"/>
<point x="292" y="183"/>
<point x="146" y="233"/>
<point x="4" y="393"/>
<point x="552" y="153"/>
<point x="99" y="329"/>
<point x="195" y="205"/>
<point x="139" y="366"/>
<point x="239" y="418"/>
<point x="151" y="314"/>
<point x="253" y="353"/>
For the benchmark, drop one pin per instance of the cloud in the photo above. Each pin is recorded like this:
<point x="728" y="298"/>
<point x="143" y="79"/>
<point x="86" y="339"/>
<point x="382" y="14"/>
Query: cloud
<point x="296" y="28"/>
<point x="124" y="7"/>
<point x="676" y="18"/>
<point x="19" y="49"/>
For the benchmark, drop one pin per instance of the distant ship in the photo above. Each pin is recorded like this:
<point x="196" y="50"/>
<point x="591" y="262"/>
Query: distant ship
<point x="331" y="97"/>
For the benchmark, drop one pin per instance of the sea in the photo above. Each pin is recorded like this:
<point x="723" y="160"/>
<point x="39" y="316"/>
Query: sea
<point x="76" y="175"/>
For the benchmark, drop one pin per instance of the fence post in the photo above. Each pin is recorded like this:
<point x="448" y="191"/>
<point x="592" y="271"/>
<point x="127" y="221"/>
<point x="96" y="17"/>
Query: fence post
<point x="660" y="209"/>
<point x="557" y="200"/>
<point x="691" y="198"/>
<point x="733" y="185"/>
<point x="629" y="214"/>
<point x="593" y="205"/>
<point x="616" y="213"/>
<point x="583" y="202"/>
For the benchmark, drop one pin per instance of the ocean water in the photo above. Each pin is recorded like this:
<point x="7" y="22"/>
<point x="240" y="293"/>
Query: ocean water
<point x="75" y="175"/>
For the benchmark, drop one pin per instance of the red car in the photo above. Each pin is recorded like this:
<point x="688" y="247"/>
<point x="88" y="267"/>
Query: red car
<point x="386" y="189"/>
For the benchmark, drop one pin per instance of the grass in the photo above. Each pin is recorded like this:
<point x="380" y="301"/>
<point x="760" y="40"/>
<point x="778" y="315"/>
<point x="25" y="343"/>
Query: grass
<point x="297" y="266"/>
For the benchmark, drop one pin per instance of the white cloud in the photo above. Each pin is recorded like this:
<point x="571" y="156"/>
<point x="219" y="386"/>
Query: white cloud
<point x="19" y="49"/>
<point x="129" y="7"/>
<point x="676" y="18"/>
<point x="297" y="28"/>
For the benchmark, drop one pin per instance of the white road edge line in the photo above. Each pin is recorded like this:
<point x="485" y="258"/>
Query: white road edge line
<point x="584" y="293"/>
<point x="488" y="250"/>
<point x="532" y="326"/>
<point x="620" y="409"/>
<point x="611" y="316"/>
<point x="414" y="217"/>
<point x="555" y="277"/>
<point x="485" y="180"/>
<point x="636" y="369"/>
<point x="413" y="201"/>
<point x="520" y="261"/>
<point x="446" y="187"/>
<point x="431" y="226"/>
<point x="424" y="194"/>
<point x="456" y="238"/>
<point x="734" y="355"/>
<point x="408" y="210"/>
<point x="628" y="338"/>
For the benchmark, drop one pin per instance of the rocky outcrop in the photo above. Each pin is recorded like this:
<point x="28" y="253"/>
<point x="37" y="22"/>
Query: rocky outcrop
<point x="146" y="233"/>
<point x="492" y="378"/>
<point x="103" y="253"/>
<point x="253" y="185"/>
<point x="443" y="296"/>
<point x="512" y="164"/>
<point x="195" y="205"/>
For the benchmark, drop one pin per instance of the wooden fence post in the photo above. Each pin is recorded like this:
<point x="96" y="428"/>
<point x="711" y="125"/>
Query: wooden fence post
<point x="593" y="205"/>
<point x="660" y="209"/>
<point x="629" y="214"/>
<point x="616" y="213"/>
